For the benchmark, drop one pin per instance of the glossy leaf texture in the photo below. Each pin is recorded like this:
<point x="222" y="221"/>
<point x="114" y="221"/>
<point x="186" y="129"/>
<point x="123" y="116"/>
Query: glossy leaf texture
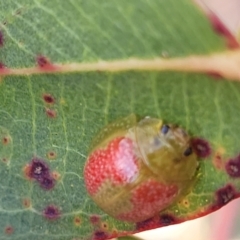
<point x="47" y="121"/>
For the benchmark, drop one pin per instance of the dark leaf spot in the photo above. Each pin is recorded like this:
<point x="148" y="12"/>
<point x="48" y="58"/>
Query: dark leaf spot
<point x="4" y="160"/>
<point x="215" y="74"/>
<point x="47" y="183"/>
<point x="146" y="224"/>
<point x="6" y="140"/>
<point x="104" y="225"/>
<point x="48" y="98"/>
<point x="2" y="66"/>
<point x="166" y="219"/>
<point x="56" y="175"/>
<point x="225" y="195"/>
<point x="9" y="230"/>
<point x="38" y="169"/>
<point x="42" y="61"/>
<point x="26" y="202"/>
<point x="1" y="38"/>
<point x="51" y="113"/>
<point x="45" y="64"/>
<point x="100" y="235"/>
<point x="233" y="167"/>
<point x="51" y="212"/>
<point x="77" y="221"/>
<point x="221" y="29"/>
<point x="51" y="155"/>
<point x="201" y="147"/>
<point x="94" y="219"/>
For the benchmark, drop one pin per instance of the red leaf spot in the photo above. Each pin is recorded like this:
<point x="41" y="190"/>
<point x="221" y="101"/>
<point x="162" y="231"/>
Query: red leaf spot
<point x="2" y="66"/>
<point x="117" y="162"/>
<point x="77" y="221"/>
<point x="233" y="167"/>
<point x="45" y="64"/>
<point x="185" y="203"/>
<point x="100" y="235"/>
<point x="221" y="29"/>
<point x="51" y="212"/>
<point x="38" y="169"/>
<point x="47" y="182"/>
<point x="167" y="219"/>
<point x="26" y="202"/>
<point x="146" y="224"/>
<point x="48" y="98"/>
<point x="215" y="74"/>
<point x="51" y="113"/>
<point x="51" y="155"/>
<point x="9" y="230"/>
<point x="218" y="159"/>
<point x="4" y="160"/>
<point x="1" y="38"/>
<point x="56" y="175"/>
<point x="94" y="219"/>
<point x="104" y="226"/>
<point x="201" y="147"/>
<point x="26" y="171"/>
<point x="6" y="140"/>
<point x="225" y="195"/>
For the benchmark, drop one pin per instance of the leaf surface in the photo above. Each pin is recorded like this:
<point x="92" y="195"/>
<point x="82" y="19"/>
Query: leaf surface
<point x="54" y="117"/>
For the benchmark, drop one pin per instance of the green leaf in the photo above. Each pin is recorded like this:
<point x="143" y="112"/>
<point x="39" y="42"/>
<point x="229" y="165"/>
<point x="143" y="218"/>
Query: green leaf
<point x="80" y="104"/>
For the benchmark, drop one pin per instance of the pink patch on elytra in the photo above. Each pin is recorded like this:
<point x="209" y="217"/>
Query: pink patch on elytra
<point x="116" y="163"/>
<point x="148" y="198"/>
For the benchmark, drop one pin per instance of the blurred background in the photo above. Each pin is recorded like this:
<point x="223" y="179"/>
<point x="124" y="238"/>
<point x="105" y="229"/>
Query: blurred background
<point x="225" y="223"/>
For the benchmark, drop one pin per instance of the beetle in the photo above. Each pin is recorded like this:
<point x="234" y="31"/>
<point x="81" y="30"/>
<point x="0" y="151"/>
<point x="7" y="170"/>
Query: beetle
<point x="135" y="169"/>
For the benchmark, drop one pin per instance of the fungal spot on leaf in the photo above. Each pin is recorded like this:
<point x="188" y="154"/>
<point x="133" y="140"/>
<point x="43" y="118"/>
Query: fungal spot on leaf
<point x="26" y="202"/>
<point x="215" y="74"/>
<point x="166" y="219"/>
<point x="104" y="225"/>
<point x="77" y="221"/>
<point x="8" y="230"/>
<point x="51" y="212"/>
<point x="51" y="113"/>
<point x="221" y="29"/>
<point x="56" y="175"/>
<point x="44" y="63"/>
<point x="38" y="169"/>
<point x="26" y="171"/>
<point x="47" y="182"/>
<point x="184" y="203"/>
<point x="218" y="159"/>
<point x="1" y="38"/>
<point x="146" y="224"/>
<point x="4" y="160"/>
<point x="2" y="66"/>
<point x="201" y="147"/>
<point x="94" y="219"/>
<point x="233" y="167"/>
<point x="48" y="98"/>
<point x="6" y="140"/>
<point x="51" y="155"/>
<point x="225" y="195"/>
<point x="100" y="235"/>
